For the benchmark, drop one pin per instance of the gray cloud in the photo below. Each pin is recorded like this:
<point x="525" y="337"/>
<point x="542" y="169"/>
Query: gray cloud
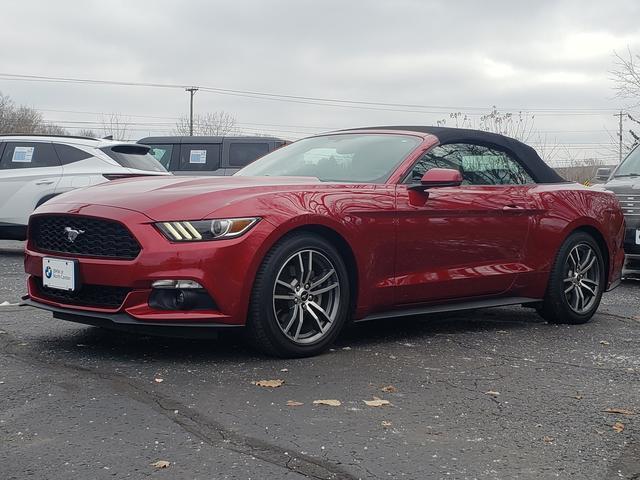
<point x="547" y="54"/>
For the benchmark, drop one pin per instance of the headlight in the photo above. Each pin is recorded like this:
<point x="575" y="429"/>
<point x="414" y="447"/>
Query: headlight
<point x="200" y="230"/>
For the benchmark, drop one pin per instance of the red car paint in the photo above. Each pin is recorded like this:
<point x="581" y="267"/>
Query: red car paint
<point x="405" y="247"/>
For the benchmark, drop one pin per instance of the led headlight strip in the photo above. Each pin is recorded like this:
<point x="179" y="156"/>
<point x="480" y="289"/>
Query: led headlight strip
<point x="199" y="230"/>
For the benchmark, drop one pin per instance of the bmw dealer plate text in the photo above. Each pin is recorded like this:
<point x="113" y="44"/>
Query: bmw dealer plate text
<point x="60" y="273"/>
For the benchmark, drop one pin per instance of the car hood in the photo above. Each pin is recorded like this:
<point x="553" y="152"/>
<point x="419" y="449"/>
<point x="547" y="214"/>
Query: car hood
<point x="164" y="198"/>
<point x="629" y="185"/>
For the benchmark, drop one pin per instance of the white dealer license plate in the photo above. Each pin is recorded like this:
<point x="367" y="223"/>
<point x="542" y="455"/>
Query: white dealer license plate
<point x="60" y="273"/>
<point x="638" y="236"/>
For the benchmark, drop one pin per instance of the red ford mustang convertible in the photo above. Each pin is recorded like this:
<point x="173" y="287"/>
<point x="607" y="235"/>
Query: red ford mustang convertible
<point x="358" y="224"/>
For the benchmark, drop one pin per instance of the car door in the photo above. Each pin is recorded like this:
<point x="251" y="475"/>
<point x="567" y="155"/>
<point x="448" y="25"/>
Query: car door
<point x="464" y="241"/>
<point x="29" y="172"/>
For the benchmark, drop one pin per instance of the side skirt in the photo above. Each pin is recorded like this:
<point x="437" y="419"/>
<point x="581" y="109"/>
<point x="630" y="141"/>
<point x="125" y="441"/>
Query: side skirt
<point x="452" y="307"/>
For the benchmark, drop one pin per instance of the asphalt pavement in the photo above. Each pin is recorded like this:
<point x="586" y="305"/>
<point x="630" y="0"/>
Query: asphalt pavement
<point x="491" y="394"/>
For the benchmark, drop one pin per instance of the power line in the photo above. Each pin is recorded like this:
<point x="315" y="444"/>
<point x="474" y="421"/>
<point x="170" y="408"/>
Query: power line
<point x="370" y="105"/>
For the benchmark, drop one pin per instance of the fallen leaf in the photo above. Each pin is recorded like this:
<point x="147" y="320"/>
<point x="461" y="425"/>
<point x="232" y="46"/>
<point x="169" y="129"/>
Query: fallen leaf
<point x="577" y="396"/>
<point x="389" y="389"/>
<point x="293" y="403"/>
<point x="158" y="380"/>
<point x="284" y="369"/>
<point x="604" y="342"/>
<point x="618" y="427"/>
<point x="161" y="464"/>
<point x="269" y="383"/>
<point x="330" y="403"/>
<point x="621" y="411"/>
<point x="547" y="439"/>
<point x="492" y="393"/>
<point x="386" y="423"/>
<point x="377" y="402"/>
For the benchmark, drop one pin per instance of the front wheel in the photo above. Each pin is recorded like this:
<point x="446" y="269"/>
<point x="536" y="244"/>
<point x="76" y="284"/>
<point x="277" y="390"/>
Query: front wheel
<point x="300" y="297"/>
<point x="576" y="281"/>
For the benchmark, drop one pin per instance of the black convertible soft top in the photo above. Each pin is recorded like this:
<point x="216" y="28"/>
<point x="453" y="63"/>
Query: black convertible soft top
<point x="531" y="161"/>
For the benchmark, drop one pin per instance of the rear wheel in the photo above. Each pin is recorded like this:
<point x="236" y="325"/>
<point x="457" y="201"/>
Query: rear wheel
<point x="576" y="282"/>
<point x="300" y="298"/>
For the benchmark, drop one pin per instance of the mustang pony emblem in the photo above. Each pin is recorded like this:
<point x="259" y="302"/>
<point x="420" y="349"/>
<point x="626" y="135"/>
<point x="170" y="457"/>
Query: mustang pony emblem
<point x="72" y="234"/>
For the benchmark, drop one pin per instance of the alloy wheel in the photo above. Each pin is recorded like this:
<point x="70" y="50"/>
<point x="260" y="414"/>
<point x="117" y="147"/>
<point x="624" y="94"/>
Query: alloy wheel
<point x="306" y="296"/>
<point x="582" y="278"/>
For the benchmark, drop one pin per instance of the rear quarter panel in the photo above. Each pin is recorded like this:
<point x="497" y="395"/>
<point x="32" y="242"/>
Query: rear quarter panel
<point x="562" y="209"/>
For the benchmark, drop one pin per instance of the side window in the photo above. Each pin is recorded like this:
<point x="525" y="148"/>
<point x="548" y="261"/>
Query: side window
<point x="68" y="154"/>
<point x="242" y="154"/>
<point x="162" y="153"/>
<point x="199" y="157"/>
<point x="478" y="164"/>
<point x="28" y="155"/>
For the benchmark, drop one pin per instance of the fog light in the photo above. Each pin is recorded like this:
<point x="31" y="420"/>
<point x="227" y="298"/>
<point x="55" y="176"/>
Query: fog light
<point x="166" y="296"/>
<point x="180" y="284"/>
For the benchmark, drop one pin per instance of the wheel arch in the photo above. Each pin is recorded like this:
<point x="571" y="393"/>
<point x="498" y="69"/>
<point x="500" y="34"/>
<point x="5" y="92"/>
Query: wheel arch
<point x="599" y="238"/>
<point x="326" y="232"/>
<point x="45" y="199"/>
<point x="341" y="244"/>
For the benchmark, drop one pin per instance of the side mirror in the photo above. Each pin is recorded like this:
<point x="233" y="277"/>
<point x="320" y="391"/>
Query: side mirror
<point x="439" y="177"/>
<point x="603" y="173"/>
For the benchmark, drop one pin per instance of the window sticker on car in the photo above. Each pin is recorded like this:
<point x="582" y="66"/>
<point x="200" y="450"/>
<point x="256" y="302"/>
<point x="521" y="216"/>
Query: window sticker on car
<point x="22" y="154"/>
<point x="198" y="156"/>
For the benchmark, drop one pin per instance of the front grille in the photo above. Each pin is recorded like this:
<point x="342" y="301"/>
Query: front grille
<point x="96" y="237"/>
<point x="101" y="296"/>
<point x="630" y="204"/>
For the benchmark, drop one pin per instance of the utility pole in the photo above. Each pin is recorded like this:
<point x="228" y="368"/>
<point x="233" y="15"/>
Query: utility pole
<point x="619" y="115"/>
<point x="193" y="90"/>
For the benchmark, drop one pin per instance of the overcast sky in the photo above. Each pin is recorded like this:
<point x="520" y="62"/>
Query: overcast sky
<point x="550" y="57"/>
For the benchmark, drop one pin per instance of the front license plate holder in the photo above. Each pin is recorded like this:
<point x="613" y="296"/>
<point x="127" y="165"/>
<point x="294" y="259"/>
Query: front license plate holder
<point x="61" y="273"/>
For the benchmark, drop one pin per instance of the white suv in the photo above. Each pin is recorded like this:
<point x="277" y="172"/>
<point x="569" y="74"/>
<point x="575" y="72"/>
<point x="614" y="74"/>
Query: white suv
<point x="34" y="169"/>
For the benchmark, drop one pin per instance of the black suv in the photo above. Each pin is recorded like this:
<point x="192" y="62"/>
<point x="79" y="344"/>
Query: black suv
<point x="624" y="181"/>
<point x="209" y="155"/>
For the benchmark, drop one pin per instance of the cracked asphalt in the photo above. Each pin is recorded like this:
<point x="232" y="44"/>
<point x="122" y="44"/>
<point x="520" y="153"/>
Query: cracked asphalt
<point x="491" y="394"/>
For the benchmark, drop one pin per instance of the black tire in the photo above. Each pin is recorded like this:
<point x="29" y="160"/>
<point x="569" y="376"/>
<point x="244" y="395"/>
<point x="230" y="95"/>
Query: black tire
<point x="263" y="329"/>
<point x="556" y="307"/>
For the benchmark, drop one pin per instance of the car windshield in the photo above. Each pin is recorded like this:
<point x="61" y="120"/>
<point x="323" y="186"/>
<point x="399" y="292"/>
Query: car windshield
<point x="630" y="166"/>
<point x="358" y="158"/>
<point x="134" y="156"/>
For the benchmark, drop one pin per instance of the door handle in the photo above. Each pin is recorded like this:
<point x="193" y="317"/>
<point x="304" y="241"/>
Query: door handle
<point x="44" y="182"/>
<point x="512" y="207"/>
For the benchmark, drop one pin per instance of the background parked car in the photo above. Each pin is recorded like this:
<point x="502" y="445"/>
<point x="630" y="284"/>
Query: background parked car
<point x="34" y="169"/>
<point x="209" y="155"/>
<point x="624" y="181"/>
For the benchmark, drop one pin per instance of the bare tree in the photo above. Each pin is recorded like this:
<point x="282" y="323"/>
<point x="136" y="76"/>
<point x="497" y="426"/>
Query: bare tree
<point x="115" y="126"/>
<point x="22" y="119"/>
<point x="626" y="75"/>
<point x="626" y="83"/>
<point x="214" y="123"/>
<point x="518" y="125"/>
<point x="88" y="133"/>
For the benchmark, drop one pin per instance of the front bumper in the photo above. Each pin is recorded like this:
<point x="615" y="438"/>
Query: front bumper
<point x="126" y="323"/>
<point x="631" y="248"/>
<point x="631" y="266"/>
<point x="221" y="267"/>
